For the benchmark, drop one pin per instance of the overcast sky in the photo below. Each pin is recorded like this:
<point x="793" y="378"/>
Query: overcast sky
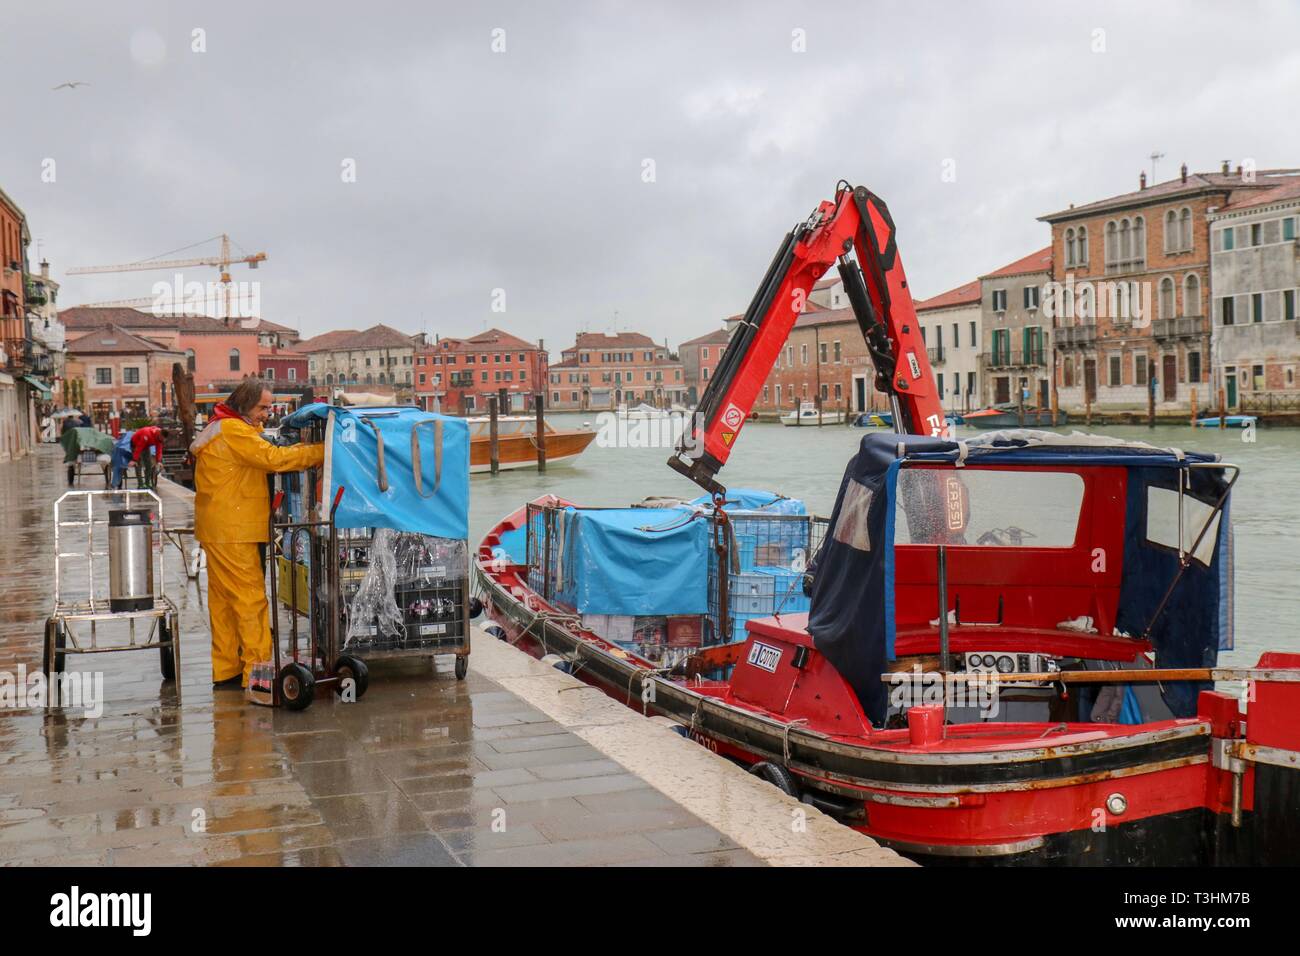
<point x="524" y="170"/>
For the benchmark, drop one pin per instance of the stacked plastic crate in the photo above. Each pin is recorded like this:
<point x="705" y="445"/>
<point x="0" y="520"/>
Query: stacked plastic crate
<point x="772" y="550"/>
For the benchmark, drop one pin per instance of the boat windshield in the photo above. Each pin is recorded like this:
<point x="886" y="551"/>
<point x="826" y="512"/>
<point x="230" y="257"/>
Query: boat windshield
<point x="988" y="507"/>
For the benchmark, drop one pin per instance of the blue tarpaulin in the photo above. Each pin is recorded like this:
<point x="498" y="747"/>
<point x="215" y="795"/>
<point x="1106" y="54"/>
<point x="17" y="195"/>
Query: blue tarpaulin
<point x="402" y="468"/>
<point x="636" y="561"/>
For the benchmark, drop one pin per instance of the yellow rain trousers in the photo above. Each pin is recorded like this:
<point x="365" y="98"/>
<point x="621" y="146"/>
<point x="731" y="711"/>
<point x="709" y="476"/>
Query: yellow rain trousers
<point x="232" y="506"/>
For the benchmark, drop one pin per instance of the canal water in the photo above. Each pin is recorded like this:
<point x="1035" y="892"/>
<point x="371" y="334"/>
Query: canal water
<point x="808" y="463"/>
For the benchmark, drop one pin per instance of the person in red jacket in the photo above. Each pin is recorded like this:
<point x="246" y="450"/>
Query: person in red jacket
<point x="148" y="438"/>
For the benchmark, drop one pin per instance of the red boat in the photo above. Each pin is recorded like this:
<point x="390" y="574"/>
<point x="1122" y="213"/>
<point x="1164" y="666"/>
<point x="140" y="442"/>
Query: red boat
<point x="838" y="710"/>
<point x="1010" y="644"/>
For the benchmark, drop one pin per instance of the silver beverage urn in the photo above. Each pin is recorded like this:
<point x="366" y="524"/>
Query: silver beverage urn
<point x="130" y="560"/>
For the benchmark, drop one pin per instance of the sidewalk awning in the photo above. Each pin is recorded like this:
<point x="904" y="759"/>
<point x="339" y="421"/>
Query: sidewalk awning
<point x="37" y="383"/>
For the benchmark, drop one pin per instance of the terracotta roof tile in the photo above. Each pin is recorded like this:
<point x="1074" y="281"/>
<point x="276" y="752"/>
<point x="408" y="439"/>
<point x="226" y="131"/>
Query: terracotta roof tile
<point x="1040" y="261"/>
<point x="1196" y="183"/>
<point x="716" y="337"/>
<point x="113" y="339"/>
<point x="962" y="295"/>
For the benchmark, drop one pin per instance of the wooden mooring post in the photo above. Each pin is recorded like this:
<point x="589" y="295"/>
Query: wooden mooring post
<point x="1193" y="407"/>
<point x="539" y="438"/>
<point x="494" y="445"/>
<point x="1223" y="405"/>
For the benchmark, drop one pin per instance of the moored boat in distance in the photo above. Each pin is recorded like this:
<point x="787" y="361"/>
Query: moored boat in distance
<point x="809" y="414"/>
<point x="517" y="443"/>
<point x="1228" y="421"/>
<point x="1012" y="416"/>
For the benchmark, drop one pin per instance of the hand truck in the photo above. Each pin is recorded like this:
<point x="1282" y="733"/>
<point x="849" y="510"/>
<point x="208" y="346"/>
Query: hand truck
<point x="292" y="684"/>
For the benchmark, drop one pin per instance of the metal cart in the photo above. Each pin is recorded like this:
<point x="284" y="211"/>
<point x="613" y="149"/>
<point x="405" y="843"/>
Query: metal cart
<point x="315" y="662"/>
<point x="82" y="607"/>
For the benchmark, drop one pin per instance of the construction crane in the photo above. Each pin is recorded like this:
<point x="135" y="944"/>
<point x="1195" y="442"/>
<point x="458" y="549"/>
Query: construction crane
<point x="223" y="261"/>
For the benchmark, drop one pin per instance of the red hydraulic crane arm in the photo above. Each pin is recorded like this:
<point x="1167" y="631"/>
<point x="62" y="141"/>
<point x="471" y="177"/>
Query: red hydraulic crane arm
<point x="856" y="221"/>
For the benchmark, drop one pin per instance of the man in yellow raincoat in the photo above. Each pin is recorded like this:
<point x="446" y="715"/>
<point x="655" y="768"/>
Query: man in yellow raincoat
<point x="231" y="509"/>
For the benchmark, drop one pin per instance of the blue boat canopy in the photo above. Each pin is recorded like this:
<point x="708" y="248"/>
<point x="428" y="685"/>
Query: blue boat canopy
<point x="852" y="616"/>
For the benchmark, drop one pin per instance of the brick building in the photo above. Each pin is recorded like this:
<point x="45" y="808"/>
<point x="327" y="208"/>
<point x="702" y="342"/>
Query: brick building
<point x="603" y="371"/>
<point x="1255" y="282"/>
<point x="124" y="373"/>
<point x="699" y="358"/>
<point x="824" y="356"/>
<point x="218" y="354"/>
<point x="18" y="387"/>
<point x="1144" y="260"/>
<point x="282" y="366"/>
<point x="460" y="374"/>
<point x="1016" y="356"/>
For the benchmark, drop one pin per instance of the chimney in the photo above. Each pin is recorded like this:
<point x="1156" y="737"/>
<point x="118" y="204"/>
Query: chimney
<point x="1239" y="170"/>
<point x="1225" y="167"/>
<point x="1183" y="172"/>
<point x="1142" y="181"/>
<point x="45" y="269"/>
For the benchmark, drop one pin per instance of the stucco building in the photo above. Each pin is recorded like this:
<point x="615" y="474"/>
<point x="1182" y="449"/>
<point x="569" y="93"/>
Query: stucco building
<point x="460" y="374"/>
<point x="1016" y="338"/>
<point x="601" y="371"/>
<point x="1255" y="282"/>
<point x="124" y="373"/>
<point x="379" y="356"/>
<point x="699" y="358"/>
<point x="952" y="324"/>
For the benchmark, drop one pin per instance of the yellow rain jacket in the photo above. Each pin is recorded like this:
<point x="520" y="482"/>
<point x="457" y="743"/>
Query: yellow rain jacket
<point x="231" y="501"/>
<point x="231" y="509"/>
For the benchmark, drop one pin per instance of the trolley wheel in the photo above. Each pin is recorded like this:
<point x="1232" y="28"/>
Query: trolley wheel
<point x="355" y="668"/>
<point x="60" y="642"/>
<point x="777" y="776"/>
<point x="166" y="653"/>
<point x="297" y="686"/>
<point x="462" y="666"/>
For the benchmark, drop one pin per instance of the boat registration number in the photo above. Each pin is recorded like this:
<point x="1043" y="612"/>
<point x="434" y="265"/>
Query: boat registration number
<point x="765" y="656"/>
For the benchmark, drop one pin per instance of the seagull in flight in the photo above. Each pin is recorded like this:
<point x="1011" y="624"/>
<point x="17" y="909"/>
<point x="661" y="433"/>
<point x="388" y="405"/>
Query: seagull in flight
<point x="71" y="85"/>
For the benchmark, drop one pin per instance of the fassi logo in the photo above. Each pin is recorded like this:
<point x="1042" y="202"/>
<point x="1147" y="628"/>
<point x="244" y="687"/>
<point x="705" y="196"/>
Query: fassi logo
<point x="76" y="909"/>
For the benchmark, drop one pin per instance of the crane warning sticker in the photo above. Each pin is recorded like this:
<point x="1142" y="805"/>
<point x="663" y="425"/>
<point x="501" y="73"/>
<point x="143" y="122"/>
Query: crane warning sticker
<point x="733" y="417"/>
<point x="914" y="365"/>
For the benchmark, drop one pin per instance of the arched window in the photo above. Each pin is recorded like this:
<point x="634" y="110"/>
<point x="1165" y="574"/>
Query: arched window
<point x="1185" y="220"/>
<point x="370" y="379"/>
<point x="234" y="360"/>
<point x="1069" y="247"/>
<point x="329" y="379"/>
<point x="354" y="378"/>
<point x="1166" y="306"/>
<point x="382" y="380"/>
<point x="1139" y="239"/>
<point x="1081" y="254"/>
<point x="1112" y="243"/>
<point x="1192" y="294"/>
<point x="1173" y="242"/>
<point x="1125" y="241"/>
<point x="189" y="360"/>
<point x="1069" y="373"/>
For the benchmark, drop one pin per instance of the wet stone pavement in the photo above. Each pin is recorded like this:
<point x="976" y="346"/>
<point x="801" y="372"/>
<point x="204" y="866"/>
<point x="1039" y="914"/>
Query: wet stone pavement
<point x="423" y="770"/>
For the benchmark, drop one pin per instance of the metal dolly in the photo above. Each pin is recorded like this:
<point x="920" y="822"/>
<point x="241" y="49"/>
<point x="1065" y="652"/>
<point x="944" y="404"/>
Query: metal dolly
<point x="296" y="681"/>
<point x="73" y="627"/>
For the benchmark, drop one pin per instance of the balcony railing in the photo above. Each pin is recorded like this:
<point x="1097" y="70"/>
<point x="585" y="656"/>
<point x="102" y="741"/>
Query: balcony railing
<point x="936" y="355"/>
<point x="1015" y="358"/>
<point x="1182" y="327"/>
<point x="1077" y="336"/>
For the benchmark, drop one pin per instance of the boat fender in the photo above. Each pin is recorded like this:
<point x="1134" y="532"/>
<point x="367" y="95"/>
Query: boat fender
<point x="475" y="607"/>
<point x="777" y="776"/>
<point x="496" y="630"/>
<point x="559" y="663"/>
